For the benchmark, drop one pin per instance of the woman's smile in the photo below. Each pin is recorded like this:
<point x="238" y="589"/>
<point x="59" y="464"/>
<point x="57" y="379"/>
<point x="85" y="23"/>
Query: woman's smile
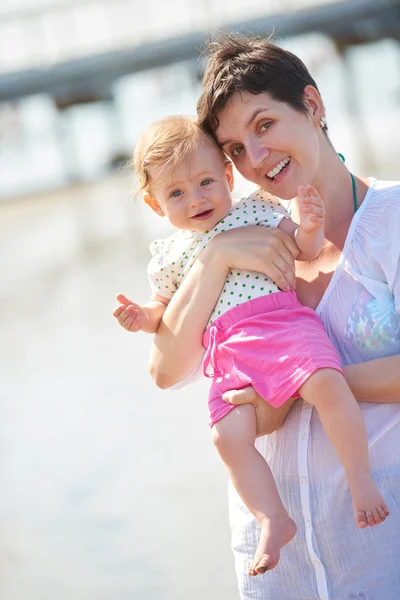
<point x="278" y="169"/>
<point x="276" y="174"/>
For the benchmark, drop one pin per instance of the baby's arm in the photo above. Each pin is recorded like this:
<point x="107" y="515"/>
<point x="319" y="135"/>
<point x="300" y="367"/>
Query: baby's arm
<point x="134" y="317"/>
<point x="309" y="235"/>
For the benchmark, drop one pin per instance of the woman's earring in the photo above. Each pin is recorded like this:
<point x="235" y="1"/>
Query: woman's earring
<point x="323" y="123"/>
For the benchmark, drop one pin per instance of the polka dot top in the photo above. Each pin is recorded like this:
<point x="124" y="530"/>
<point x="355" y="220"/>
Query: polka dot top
<point x="174" y="256"/>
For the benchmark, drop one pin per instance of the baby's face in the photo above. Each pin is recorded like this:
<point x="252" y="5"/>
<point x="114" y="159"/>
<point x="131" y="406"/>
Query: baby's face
<point x="196" y="193"/>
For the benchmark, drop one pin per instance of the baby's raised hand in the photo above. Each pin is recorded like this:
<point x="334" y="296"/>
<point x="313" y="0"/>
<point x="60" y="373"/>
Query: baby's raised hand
<point x="311" y="209"/>
<point x="130" y="316"/>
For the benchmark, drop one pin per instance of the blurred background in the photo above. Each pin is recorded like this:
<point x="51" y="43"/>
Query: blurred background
<point x="110" y="488"/>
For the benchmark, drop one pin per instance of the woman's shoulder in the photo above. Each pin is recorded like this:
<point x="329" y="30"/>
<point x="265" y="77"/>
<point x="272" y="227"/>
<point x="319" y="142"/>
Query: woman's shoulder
<point x="382" y="196"/>
<point x="380" y="210"/>
<point x="376" y="225"/>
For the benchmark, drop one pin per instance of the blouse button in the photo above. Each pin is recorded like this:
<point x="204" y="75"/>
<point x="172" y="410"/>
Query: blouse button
<point x="303" y="480"/>
<point x="308" y="523"/>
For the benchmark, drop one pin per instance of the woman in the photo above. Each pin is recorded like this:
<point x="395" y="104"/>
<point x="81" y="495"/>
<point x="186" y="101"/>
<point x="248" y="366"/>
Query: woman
<point x="264" y="108"/>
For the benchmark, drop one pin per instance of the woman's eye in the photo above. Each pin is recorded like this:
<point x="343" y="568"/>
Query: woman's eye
<point x="176" y="193"/>
<point x="236" y="151"/>
<point x="265" y="125"/>
<point x="206" y="181"/>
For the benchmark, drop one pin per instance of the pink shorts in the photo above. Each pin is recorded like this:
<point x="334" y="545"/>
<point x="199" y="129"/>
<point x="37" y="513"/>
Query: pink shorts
<point x="272" y="343"/>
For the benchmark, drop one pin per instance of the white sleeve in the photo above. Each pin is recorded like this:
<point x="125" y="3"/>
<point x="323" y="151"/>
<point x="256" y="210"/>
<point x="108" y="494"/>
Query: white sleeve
<point x="393" y="273"/>
<point x="162" y="279"/>
<point x="389" y="242"/>
<point x="271" y="209"/>
<point x="377" y="242"/>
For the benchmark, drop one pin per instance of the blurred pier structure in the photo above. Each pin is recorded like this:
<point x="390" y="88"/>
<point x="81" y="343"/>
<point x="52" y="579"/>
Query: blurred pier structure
<point x="82" y="67"/>
<point x="76" y="51"/>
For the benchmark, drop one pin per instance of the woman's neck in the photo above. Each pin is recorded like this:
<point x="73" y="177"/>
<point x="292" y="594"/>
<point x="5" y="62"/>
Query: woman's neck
<point x="334" y="184"/>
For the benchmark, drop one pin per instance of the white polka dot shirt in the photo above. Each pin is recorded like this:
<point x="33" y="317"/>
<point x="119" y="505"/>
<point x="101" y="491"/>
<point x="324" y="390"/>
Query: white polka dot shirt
<point x="174" y="256"/>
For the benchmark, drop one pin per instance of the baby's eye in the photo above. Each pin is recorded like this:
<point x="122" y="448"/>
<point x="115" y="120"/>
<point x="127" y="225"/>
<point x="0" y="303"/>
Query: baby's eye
<point x="176" y="193"/>
<point x="206" y="182"/>
<point x="237" y="150"/>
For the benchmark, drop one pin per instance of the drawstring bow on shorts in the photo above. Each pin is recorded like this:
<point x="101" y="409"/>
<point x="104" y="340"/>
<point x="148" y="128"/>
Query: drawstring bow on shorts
<point x="210" y="358"/>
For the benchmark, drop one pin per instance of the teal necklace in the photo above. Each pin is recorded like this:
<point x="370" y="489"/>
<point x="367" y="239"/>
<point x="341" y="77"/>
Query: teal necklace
<point x="353" y="183"/>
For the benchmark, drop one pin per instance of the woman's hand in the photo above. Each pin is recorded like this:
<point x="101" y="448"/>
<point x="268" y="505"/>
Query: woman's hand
<point x="258" y="248"/>
<point x="269" y="419"/>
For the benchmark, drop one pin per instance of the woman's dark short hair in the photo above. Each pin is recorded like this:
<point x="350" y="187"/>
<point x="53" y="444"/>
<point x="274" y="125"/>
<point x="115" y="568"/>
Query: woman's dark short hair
<point x="249" y="64"/>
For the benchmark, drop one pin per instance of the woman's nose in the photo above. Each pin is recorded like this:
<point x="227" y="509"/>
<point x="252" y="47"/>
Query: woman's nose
<point x="257" y="153"/>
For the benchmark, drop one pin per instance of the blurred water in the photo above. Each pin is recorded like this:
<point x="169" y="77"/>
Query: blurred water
<point x="110" y="487"/>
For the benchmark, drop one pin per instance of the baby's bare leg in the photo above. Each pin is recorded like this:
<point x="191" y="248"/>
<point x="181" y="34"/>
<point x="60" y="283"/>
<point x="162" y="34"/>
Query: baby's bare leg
<point x="234" y="437"/>
<point x="342" y="420"/>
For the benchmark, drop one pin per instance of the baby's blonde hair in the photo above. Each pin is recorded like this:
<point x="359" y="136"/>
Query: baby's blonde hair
<point x="165" y="143"/>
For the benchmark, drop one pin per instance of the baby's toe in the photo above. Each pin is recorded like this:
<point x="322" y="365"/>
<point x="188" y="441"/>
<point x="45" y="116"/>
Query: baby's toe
<point x="263" y="565"/>
<point x="361" y="519"/>
<point x="370" y="518"/>
<point x="377" y="516"/>
<point x="252" y="569"/>
<point x="381" y="512"/>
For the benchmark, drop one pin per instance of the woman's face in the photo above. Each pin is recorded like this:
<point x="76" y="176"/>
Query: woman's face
<point x="270" y="143"/>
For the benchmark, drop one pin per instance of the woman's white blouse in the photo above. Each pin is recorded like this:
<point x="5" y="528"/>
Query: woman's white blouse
<point x="330" y="559"/>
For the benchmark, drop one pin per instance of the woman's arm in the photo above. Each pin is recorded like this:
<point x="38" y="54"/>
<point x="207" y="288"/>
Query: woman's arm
<point x="177" y="347"/>
<point x="376" y="380"/>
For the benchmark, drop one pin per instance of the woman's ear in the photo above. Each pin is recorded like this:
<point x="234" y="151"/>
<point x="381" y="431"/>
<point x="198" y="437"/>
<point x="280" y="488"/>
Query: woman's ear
<point x="314" y="102"/>
<point x="229" y="174"/>
<point x="152" y="202"/>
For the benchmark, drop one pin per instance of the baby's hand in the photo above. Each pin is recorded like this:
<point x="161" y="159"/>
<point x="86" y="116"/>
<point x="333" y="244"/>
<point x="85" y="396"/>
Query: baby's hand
<point x="129" y="315"/>
<point x="311" y="209"/>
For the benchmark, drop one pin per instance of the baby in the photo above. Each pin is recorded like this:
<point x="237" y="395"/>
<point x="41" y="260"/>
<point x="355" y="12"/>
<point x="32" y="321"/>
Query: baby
<point x="257" y="335"/>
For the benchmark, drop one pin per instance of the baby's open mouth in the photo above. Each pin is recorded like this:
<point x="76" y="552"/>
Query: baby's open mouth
<point x="204" y="215"/>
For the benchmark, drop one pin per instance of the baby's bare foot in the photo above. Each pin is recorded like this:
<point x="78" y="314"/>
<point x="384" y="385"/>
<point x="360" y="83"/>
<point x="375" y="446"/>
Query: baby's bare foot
<point x="276" y="532"/>
<point x="368" y="504"/>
